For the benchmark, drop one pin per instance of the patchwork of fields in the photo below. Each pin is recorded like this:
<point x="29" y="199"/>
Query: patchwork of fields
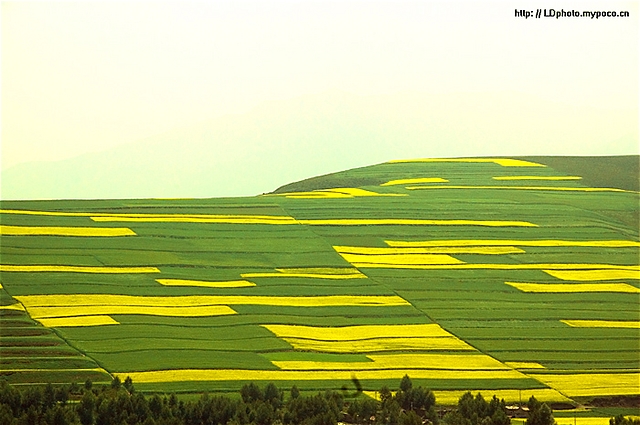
<point x="512" y="278"/>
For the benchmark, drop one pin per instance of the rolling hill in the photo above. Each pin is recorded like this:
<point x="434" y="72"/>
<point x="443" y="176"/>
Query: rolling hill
<point x="510" y="276"/>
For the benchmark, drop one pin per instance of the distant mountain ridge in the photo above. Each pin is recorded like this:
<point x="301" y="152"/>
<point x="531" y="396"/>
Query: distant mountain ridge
<point x="290" y="140"/>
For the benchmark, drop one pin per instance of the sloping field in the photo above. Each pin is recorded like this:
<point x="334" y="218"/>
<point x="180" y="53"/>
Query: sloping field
<point x="512" y="277"/>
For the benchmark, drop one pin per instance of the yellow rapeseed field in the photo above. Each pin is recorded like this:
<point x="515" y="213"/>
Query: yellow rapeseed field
<point x="537" y="178"/>
<point x="343" y="192"/>
<point x="379" y="344"/>
<point x="237" y="219"/>
<point x="524" y="365"/>
<point x="58" y="322"/>
<point x="633" y="324"/>
<point x="515" y="242"/>
<point x="146" y="217"/>
<point x="546" y="395"/>
<point x="16" y="306"/>
<point x="350" y="333"/>
<point x="402" y="361"/>
<point x="505" y="162"/>
<point x="320" y="270"/>
<point x="611" y="273"/>
<point x="401" y="259"/>
<point x="91" y="310"/>
<point x="311" y="272"/>
<point x="416" y="180"/>
<point x="80" y="300"/>
<point x="552" y="188"/>
<point x="573" y="273"/>
<point x="583" y="420"/>
<point x="592" y="384"/>
<point x="355" y="191"/>
<point x="491" y="250"/>
<point x="178" y="375"/>
<point x="205" y="283"/>
<point x="309" y="275"/>
<point x="65" y="231"/>
<point x="575" y="287"/>
<point x="47" y="213"/>
<point x="77" y="269"/>
<point x="413" y="222"/>
<point x="313" y="195"/>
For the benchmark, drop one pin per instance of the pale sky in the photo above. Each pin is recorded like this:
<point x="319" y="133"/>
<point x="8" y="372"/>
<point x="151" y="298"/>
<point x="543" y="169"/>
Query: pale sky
<point x="82" y="77"/>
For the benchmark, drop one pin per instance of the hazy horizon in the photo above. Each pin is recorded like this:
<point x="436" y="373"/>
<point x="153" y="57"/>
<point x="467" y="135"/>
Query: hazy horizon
<point x="85" y="78"/>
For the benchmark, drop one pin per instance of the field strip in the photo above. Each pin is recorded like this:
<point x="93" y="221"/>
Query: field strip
<point x="96" y="369"/>
<point x="206" y="284"/>
<point x="47" y="213"/>
<point x="401" y="258"/>
<point x="416" y="180"/>
<point x="595" y="275"/>
<point x="311" y="272"/>
<point x="592" y="384"/>
<point x="147" y="215"/>
<point x="524" y="365"/>
<point x="40" y="313"/>
<point x="179" y="219"/>
<point x="334" y="271"/>
<point x="515" y="242"/>
<point x="77" y="269"/>
<point x="550" y="188"/>
<point x="583" y="420"/>
<point x="178" y="375"/>
<point x="65" y="231"/>
<point x="402" y="361"/>
<point x="312" y="195"/>
<point x="451" y="397"/>
<point x="491" y="250"/>
<point x="77" y="300"/>
<point x="380" y="344"/>
<point x="412" y="222"/>
<point x="345" y="192"/>
<point x="505" y="162"/>
<point x="78" y="321"/>
<point x="617" y="271"/>
<point x="537" y="178"/>
<point x="16" y="306"/>
<point x="350" y="333"/>
<point x="574" y="287"/>
<point x="633" y="324"/>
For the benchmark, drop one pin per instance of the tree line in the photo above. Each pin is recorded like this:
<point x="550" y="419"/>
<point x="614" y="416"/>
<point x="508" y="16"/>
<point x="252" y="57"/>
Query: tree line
<point x="119" y="404"/>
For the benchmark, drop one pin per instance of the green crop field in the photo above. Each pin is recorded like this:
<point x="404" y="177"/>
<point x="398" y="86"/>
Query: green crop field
<point x="478" y="274"/>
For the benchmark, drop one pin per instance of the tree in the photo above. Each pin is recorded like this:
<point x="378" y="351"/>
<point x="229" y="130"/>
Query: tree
<point x="409" y="418"/>
<point x="250" y="393"/>
<point x="86" y="407"/>
<point x="295" y="392"/>
<point x="406" y="384"/>
<point x="273" y="395"/>
<point x="48" y="397"/>
<point x="539" y="413"/>
<point x="128" y="385"/>
<point x="385" y="395"/>
<point x="116" y="384"/>
<point x="621" y="420"/>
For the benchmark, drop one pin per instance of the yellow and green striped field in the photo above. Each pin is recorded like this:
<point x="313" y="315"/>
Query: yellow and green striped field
<point x="512" y="278"/>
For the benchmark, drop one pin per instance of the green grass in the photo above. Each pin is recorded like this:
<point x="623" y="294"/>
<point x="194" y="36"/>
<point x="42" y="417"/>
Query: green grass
<point x="182" y="358"/>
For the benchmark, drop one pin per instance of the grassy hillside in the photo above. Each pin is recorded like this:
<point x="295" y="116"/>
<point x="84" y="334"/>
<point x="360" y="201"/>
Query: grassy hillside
<point x="496" y="275"/>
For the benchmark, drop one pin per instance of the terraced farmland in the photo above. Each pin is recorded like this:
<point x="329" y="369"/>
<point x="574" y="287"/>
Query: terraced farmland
<point x="503" y="276"/>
